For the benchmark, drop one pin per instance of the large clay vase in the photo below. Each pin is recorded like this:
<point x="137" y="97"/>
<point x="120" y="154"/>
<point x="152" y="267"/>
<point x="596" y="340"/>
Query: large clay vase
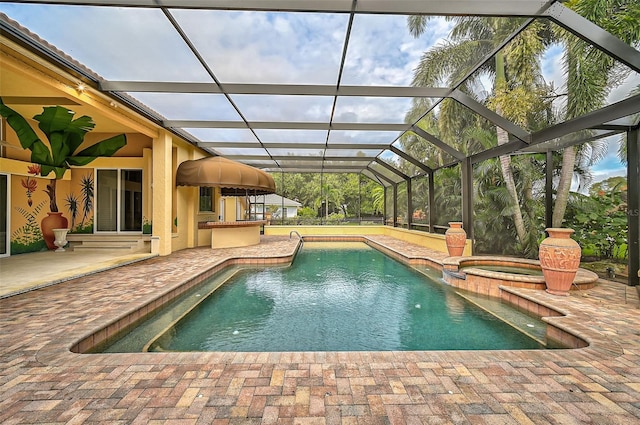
<point x="53" y="220"/>
<point x="559" y="259"/>
<point x="456" y="238"/>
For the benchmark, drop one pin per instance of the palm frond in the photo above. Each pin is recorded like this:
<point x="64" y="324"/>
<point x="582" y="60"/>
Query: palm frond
<point x="417" y="24"/>
<point x="447" y="62"/>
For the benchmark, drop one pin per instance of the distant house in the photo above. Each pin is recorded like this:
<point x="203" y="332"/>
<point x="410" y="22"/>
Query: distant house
<point x="272" y="205"/>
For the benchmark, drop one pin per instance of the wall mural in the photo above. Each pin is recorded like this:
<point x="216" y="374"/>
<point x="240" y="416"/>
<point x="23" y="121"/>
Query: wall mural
<point x="81" y="206"/>
<point x="28" y="236"/>
<point x="30" y="200"/>
<point x="64" y="136"/>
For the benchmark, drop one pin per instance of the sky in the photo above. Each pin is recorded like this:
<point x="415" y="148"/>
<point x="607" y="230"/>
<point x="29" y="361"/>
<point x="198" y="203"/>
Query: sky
<point x="242" y="47"/>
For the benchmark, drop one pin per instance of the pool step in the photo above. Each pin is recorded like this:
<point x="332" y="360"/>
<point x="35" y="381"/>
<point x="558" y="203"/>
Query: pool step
<point x="528" y="325"/>
<point x="525" y="323"/>
<point x="430" y="272"/>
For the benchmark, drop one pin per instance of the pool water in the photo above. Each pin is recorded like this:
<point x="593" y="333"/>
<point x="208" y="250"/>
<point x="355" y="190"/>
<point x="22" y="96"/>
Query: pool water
<point x="337" y="299"/>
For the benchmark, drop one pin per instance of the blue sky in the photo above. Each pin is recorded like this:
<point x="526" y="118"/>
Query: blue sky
<point x="285" y="48"/>
<point x="610" y="165"/>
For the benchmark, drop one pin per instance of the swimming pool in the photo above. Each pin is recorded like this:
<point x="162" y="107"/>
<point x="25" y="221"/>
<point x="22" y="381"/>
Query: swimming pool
<point x="346" y="298"/>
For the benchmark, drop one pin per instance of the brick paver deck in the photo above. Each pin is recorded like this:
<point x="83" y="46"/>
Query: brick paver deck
<point x="41" y="381"/>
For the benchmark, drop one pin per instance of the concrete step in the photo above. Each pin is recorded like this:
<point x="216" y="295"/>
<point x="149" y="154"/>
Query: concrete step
<point x="111" y="243"/>
<point x="98" y="248"/>
<point x="83" y="237"/>
<point x="115" y="243"/>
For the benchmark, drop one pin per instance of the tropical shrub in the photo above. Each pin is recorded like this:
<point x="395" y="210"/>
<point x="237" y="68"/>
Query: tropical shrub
<point x="600" y="220"/>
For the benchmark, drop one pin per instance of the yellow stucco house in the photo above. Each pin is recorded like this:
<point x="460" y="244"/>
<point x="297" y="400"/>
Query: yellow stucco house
<point x="131" y="197"/>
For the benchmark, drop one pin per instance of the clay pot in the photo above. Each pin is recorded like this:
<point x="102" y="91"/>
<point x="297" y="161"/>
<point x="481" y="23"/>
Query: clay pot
<point x="53" y="220"/>
<point x="559" y="259"/>
<point x="456" y="238"/>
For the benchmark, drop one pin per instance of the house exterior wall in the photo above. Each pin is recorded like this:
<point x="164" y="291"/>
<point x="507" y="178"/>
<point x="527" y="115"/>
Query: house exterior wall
<point x="75" y="197"/>
<point x="168" y="212"/>
<point x="230" y="208"/>
<point x="182" y="203"/>
<point x="291" y="211"/>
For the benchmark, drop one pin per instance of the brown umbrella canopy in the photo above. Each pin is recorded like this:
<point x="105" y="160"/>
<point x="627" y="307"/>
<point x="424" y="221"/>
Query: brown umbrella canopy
<point x="221" y="172"/>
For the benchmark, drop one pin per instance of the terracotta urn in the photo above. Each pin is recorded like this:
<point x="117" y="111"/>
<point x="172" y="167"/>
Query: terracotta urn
<point x="456" y="238"/>
<point x="559" y="259"/>
<point x="53" y="220"/>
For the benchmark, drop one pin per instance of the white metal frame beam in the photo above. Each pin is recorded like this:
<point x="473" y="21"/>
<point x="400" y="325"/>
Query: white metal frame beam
<point x="404" y="7"/>
<point x="294" y="145"/>
<point x="290" y="125"/>
<point x="273" y="89"/>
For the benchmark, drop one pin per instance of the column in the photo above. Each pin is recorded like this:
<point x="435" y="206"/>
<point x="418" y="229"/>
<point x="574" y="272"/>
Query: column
<point x="633" y="210"/>
<point x="162" y="191"/>
<point x="467" y="196"/>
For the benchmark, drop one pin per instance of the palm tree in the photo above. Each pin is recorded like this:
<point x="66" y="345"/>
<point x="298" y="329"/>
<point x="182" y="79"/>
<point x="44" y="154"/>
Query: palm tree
<point x="517" y="83"/>
<point x="591" y="74"/>
<point x="447" y="195"/>
<point x="417" y="147"/>
<point x="377" y="194"/>
<point x="333" y="192"/>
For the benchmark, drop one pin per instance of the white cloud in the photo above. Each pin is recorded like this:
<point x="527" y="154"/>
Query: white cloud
<point x="183" y="106"/>
<point x="382" y="52"/>
<point x="552" y="69"/>
<point x="371" y="109"/>
<point x="117" y="43"/>
<point x="553" y="73"/>
<point x="222" y="134"/>
<point x="349" y="136"/>
<point x="284" y="108"/>
<point x="623" y="91"/>
<point x="267" y="47"/>
<point x="297" y="136"/>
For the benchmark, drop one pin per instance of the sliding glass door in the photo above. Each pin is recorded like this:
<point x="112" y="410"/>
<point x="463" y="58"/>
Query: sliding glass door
<point x="118" y="201"/>
<point x="131" y="200"/>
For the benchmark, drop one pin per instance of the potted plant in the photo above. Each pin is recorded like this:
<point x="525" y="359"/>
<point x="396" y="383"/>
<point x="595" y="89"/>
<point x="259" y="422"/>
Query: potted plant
<point x="65" y="135"/>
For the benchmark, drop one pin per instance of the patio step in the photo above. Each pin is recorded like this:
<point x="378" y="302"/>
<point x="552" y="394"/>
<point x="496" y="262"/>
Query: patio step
<point x="111" y="243"/>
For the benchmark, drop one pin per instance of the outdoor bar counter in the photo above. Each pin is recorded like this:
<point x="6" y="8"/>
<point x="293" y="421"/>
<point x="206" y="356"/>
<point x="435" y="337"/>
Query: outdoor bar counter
<point x="233" y="234"/>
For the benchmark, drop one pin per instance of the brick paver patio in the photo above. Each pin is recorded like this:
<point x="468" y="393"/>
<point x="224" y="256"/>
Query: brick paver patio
<point x="42" y="381"/>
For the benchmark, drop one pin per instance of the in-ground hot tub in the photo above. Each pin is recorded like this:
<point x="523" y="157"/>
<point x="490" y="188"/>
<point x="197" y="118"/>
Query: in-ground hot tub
<point x="485" y="275"/>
